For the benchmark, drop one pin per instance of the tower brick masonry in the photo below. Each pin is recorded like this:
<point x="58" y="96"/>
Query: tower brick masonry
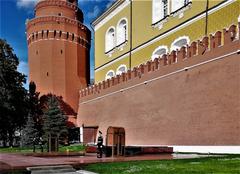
<point x="58" y="49"/>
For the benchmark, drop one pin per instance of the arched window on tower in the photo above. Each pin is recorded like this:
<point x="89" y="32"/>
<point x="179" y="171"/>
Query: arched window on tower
<point x="67" y="35"/>
<point x="110" y="39"/>
<point x="121" y="69"/>
<point x="109" y="74"/>
<point x="180" y="42"/>
<point x="122" y="31"/>
<point x="159" y="51"/>
<point x="72" y="37"/>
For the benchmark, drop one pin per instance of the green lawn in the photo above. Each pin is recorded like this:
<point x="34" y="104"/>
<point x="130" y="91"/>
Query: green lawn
<point x="71" y="148"/>
<point x="208" y="165"/>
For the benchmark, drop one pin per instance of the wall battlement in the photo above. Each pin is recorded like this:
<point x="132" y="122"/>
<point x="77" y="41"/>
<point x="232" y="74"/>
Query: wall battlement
<point x="56" y="3"/>
<point x="58" y="35"/>
<point x="167" y="63"/>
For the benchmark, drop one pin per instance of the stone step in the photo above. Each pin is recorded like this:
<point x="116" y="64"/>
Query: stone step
<point x="59" y="169"/>
<point x="52" y="169"/>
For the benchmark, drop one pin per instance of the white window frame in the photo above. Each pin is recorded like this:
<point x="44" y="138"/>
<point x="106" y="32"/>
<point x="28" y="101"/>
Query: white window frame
<point x="118" y="31"/>
<point x="107" y="76"/>
<point x="118" y="72"/>
<point x="107" y="47"/>
<point x="180" y="3"/>
<point x="175" y="47"/>
<point x="157" y="16"/>
<point x="154" y="55"/>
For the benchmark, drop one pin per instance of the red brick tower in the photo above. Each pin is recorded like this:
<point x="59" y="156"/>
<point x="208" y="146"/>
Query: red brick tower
<point x="58" y="49"/>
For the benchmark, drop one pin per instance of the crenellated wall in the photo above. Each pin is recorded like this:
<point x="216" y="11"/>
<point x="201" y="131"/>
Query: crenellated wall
<point x="195" y="49"/>
<point x="188" y="97"/>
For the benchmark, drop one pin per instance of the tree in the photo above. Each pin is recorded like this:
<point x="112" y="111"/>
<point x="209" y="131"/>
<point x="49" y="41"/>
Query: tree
<point x="53" y="118"/>
<point x="13" y="96"/>
<point x="35" y="108"/>
<point x="33" y="128"/>
<point x="30" y="132"/>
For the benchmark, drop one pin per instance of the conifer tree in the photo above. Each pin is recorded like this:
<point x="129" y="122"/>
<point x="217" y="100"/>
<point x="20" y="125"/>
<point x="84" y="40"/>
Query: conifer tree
<point x="54" y="119"/>
<point x="33" y="128"/>
<point x="29" y="132"/>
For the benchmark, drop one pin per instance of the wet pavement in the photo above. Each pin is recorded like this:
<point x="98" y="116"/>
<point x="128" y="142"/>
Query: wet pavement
<point x="10" y="161"/>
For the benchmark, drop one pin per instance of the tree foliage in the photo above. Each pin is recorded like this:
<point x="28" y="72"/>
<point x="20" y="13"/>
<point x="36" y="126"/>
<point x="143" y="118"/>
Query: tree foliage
<point x="33" y="128"/>
<point x="29" y="132"/>
<point x="54" y="119"/>
<point x="13" y="96"/>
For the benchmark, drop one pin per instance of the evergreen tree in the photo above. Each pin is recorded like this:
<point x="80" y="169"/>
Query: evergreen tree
<point x="35" y="108"/>
<point x="29" y="132"/>
<point x="54" y="119"/>
<point x="13" y="96"/>
<point x="33" y="128"/>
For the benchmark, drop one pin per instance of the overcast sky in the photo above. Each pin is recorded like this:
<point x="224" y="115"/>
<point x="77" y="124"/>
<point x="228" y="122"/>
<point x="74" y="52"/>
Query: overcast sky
<point x="13" y="14"/>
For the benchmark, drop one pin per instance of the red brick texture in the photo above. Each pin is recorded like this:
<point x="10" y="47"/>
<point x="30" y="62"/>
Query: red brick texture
<point x="58" y="50"/>
<point x="187" y="102"/>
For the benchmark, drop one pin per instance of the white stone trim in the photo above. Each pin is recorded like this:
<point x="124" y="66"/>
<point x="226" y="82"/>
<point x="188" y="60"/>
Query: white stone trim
<point x="208" y="149"/>
<point x="118" y="72"/>
<point x="117" y="30"/>
<point x="107" y="76"/>
<point x="39" y="40"/>
<point x="112" y="14"/>
<point x="174" y="47"/>
<point x="106" y="38"/>
<point x="227" y="149"/>
<point x="158" y="48"/>
<point x="81" y="134"/>
<point x="162" y="8"/>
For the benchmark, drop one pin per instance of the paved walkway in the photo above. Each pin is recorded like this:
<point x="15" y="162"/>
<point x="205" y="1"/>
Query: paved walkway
<point x="18" y="161"/>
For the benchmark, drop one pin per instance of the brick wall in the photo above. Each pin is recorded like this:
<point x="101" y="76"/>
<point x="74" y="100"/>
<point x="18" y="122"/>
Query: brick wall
<point x="189" y="97"/>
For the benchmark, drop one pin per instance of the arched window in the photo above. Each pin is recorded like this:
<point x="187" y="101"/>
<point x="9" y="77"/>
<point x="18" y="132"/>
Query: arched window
<point x="121" y="31"/>
<point x="179" y="42"/>
<point x="110" y="39"/>
<point x="109" y="74"/>
<point x="177" y="4"/>
<point x="159" y="51"/>
<point x="121" y="69"/>
<point x="159" y="10"/>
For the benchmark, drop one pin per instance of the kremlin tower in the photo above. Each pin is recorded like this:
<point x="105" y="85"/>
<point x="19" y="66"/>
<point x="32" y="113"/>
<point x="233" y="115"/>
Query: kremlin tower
<point x="59" y="49"/>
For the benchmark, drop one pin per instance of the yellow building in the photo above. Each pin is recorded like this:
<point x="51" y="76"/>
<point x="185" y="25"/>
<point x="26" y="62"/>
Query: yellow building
<point x="131" y="32"/>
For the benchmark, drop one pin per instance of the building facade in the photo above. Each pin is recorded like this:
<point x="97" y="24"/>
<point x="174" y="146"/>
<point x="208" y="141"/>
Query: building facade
<point x="58" y="49"/>
<point x="130" y="33"/>
<point x="166" y="75"/>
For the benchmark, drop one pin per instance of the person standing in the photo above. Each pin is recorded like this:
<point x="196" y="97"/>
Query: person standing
<point x="100" y="145"/>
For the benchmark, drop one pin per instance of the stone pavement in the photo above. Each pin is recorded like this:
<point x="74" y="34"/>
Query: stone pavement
<point x="59" y="169"/>
<point x="10" y="161"/>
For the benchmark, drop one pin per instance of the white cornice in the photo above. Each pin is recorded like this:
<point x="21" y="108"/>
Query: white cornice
<point x="106" y="16"/>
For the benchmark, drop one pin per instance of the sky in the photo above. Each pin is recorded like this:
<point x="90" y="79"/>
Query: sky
<point x="13" y="14"/>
